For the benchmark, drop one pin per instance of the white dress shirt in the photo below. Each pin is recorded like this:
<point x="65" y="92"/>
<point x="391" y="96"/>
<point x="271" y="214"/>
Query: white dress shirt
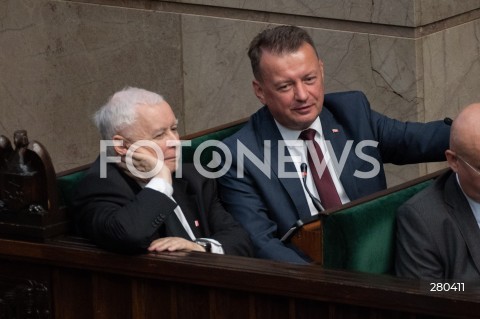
<point x="298" y="151"/>
<point x="161" y="185"/>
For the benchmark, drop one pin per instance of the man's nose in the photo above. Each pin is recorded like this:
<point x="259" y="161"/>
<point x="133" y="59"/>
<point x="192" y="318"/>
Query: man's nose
<point x="301" y="93"/>
<point x="173" y="138"/>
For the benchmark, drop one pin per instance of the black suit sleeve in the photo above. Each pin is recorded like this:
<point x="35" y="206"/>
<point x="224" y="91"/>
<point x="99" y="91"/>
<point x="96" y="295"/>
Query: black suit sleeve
<point x="221" y="225"/>
<point x="108" y="211"/>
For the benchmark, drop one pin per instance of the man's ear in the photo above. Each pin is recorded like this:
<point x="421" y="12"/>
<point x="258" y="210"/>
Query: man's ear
<point x="452" y="160"/>
<point x="320" y="62"/>
<point x="122" y="148"/>
<point x="257" y="88"/>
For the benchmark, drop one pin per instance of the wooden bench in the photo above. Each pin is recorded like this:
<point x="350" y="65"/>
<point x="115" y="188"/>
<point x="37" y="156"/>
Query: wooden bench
<point x="360" y="236"/>
<point x="66" y="277"/>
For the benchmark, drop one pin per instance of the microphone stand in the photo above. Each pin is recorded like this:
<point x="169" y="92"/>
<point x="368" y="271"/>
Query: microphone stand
<point x="316" y="202"/>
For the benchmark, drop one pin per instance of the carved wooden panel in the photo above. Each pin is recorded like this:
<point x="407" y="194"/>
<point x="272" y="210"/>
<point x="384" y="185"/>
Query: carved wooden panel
<point x="86" y="282"/>
<point x="25" y="291"/>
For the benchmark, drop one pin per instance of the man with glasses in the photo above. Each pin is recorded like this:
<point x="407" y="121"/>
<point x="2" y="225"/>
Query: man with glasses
<point x="438" y="230"/>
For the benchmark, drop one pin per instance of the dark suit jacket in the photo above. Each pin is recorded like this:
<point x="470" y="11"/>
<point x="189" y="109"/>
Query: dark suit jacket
<point x="438" y="237"/>
<point x="118" y="214"/>
<point x="267" y="206"/>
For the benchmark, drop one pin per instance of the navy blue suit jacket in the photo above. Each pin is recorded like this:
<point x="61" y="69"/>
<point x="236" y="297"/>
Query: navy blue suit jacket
<point x="267" y="206"/>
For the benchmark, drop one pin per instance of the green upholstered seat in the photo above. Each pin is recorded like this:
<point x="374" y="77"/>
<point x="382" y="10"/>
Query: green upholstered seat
<point x="66" y="186"/>
<point x="206" y="155"/>
<point x="67" y="183"/>
<point x="359" y="238"/>
<point x="362" y="237"/>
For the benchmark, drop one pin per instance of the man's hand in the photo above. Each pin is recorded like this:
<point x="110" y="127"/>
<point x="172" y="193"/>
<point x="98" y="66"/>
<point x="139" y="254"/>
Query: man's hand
<point x="174" y="244"/>
<point x="144" y="161"/>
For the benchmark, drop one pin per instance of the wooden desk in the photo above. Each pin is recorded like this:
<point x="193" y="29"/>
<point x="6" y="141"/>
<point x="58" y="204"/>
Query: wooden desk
<point x="68" y="278"/>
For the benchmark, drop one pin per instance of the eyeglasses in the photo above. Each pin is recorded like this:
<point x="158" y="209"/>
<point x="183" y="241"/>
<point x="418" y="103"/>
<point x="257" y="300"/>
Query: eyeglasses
<point x="476" y="170"/>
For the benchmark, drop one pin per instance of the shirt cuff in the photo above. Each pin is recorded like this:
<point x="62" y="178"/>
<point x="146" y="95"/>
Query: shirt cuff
<point x="216" y="246"/>
<point x="160" y="185"/>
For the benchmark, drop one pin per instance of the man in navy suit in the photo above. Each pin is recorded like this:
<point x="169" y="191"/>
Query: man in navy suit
<point x="438" y="230"/>
<point x="263" y="187"/>
<point x="139" y="206"/>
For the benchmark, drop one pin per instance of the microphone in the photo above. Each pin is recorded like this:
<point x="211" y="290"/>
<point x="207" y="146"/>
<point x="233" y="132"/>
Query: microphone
<point x="316" y="201"/>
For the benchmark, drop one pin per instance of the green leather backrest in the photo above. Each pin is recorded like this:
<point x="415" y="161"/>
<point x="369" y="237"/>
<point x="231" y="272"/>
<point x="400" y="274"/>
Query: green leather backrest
<point x="362" y="237"/>
<point x="206" y="155"/>
<point x="68" y="183"/>
<point x="66" y="187"/>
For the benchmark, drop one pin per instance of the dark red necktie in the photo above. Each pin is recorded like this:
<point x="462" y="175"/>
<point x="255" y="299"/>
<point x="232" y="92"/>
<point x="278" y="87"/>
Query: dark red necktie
<point x="324" y="184"/>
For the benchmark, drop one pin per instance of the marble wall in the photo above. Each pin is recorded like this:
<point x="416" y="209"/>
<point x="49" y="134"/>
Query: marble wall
<point x="60" y="60"/>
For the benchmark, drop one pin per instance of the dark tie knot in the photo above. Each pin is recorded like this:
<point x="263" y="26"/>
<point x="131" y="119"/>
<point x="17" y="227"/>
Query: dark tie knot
<point x="308" y="134"/>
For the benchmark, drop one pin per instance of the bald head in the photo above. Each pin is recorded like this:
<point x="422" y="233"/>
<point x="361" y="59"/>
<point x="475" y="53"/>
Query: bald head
<point x="464" y="154"/>
<point x="465" y="133"/>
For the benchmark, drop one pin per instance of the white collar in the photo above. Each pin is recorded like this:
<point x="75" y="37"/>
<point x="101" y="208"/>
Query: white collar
<point x="292" y="135"/>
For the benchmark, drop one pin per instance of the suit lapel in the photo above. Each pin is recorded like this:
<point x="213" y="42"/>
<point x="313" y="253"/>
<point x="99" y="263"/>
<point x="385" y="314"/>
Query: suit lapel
<point x="173" y="225"/>
<point x="462" y="213"/>
<point x="189" y="205"/>
<point x="335" y="134"/>
<point x="293" y="186"/>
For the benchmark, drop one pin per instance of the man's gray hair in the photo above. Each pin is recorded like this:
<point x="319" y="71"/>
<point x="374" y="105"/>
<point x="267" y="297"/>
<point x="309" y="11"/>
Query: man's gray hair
<point x="120" y="110"/>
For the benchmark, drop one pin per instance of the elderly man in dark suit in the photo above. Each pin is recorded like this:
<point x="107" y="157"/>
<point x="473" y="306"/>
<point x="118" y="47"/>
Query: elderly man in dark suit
<point x="341" y="139"/>
<point x="438" y="230"/>
<point x="135" y="206"/>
